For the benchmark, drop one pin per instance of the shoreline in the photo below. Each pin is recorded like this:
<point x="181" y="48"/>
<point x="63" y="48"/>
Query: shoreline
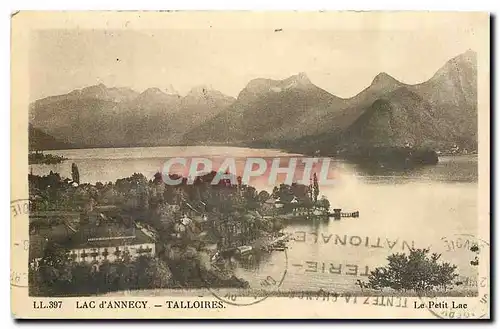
<point x="284" y="150"/>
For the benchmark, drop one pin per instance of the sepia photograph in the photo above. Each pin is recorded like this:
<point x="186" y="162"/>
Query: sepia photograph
<point x="229" y="162"/>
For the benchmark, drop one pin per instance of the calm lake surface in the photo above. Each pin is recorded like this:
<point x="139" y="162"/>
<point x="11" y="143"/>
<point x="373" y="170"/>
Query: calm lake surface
<point x="397" y="210"/>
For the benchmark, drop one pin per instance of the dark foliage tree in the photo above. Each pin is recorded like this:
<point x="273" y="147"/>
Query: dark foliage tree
<point x="323" y="203"/>
<point x="54" y="271"/>
<point x="263" y="196"/>
<point x="53" y="278"/>
<point x="315" y="188"/>
<point x="75" y="174"/>
<point x="417" y="271"/>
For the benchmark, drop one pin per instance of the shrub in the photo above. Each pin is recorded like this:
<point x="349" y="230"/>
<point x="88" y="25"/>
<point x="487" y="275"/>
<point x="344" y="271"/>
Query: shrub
<point x="419" y="271"/>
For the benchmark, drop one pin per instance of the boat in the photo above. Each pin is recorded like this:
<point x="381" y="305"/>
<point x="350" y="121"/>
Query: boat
<point x="244" y="250"/>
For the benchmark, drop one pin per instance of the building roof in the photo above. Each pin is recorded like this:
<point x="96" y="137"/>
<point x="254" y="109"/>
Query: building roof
<point x="105" y="208"/>
<point x="106" y="235"/>
<point x="49" y="214"/>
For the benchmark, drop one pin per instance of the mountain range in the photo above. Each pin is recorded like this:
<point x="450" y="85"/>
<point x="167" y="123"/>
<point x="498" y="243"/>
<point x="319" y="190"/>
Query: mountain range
<point x="292" y="114"/>
<point x="99" y="116"/>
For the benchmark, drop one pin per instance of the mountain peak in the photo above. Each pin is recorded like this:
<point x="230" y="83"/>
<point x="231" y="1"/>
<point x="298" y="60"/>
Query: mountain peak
<point x="383" y="79"/>
<point x="170" y="90"/>
<point x="301" y="78"/>
<point x="297" y="80"/>
<point x="470" y="52"/>
<point x="462" y="65"/>
<point x="95" y="91"/>
<point x="152" y="91"/>
<point x="468" y="56"/>
<point x="201" y="90"/>
<point x="263" y="86"/>
<point x="99" y="86"/>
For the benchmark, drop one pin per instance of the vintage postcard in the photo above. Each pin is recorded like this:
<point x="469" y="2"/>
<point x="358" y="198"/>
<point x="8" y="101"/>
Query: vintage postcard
<point x="250" y="165"/>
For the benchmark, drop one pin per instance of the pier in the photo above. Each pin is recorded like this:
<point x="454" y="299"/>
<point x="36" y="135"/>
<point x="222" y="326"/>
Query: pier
<point x="338" y="214"/>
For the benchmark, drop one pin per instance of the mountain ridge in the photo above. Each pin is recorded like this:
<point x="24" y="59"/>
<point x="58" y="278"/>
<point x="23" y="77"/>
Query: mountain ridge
<point x="292" y="112"/>
<point x="444" y="110"/>
<point x="98" y="116"/>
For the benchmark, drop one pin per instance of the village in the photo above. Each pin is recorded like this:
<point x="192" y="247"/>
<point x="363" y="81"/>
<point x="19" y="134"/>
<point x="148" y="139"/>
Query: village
<point x="187" y="227"/>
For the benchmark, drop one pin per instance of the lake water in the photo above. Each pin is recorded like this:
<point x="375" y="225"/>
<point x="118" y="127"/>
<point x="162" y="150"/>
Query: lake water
<point x="397" y="210"/>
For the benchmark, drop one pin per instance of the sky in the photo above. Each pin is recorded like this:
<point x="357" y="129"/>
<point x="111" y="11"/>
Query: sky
<point x="341" y="62"/>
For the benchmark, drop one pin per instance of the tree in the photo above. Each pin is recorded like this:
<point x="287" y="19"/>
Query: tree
<point x="445" y="275"/>
<point x="284" y="193"/>
<point x="324" y="203"/>
<point x="263" y="196"/>
<point x="127" y="273"/>
<point x="417" y="271"/>
<point x="81" y="278"/>
<point x="75" y="174"/>
<point x="54" y="272"/>
<point x="315" y="188"/>
<point x="152" y="272"/>
<point x="54" y="258"/>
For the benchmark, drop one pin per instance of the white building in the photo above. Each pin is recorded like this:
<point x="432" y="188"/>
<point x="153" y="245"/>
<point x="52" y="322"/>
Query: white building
<point x="95" y="244"/>
<point x="109" y="242"/>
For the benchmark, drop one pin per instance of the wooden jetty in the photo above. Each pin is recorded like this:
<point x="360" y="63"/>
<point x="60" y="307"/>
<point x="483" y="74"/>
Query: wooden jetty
<point x="338" y="214"/>
<point x="263" y="244"/>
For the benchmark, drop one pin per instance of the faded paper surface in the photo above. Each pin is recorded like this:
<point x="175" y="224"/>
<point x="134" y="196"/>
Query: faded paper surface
<point x="323" y="270"/>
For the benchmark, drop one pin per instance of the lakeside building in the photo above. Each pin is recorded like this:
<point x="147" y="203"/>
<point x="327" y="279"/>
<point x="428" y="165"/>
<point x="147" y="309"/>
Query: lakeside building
<point x="109" y="242"/>
<point x="96" y="244"/>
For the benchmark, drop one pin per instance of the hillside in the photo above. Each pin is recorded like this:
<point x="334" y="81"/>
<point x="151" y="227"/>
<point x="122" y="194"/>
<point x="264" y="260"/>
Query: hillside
<point x="292" y="113"/>
<point x="438" y="113"/>
<point x="268" y="111"/>
<point x="294" y="109"/>
<point x="452" y="92"/>
<point x="396" y="119"/>
<point x="98" y="116"/>
<point x="38" y="140"/>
